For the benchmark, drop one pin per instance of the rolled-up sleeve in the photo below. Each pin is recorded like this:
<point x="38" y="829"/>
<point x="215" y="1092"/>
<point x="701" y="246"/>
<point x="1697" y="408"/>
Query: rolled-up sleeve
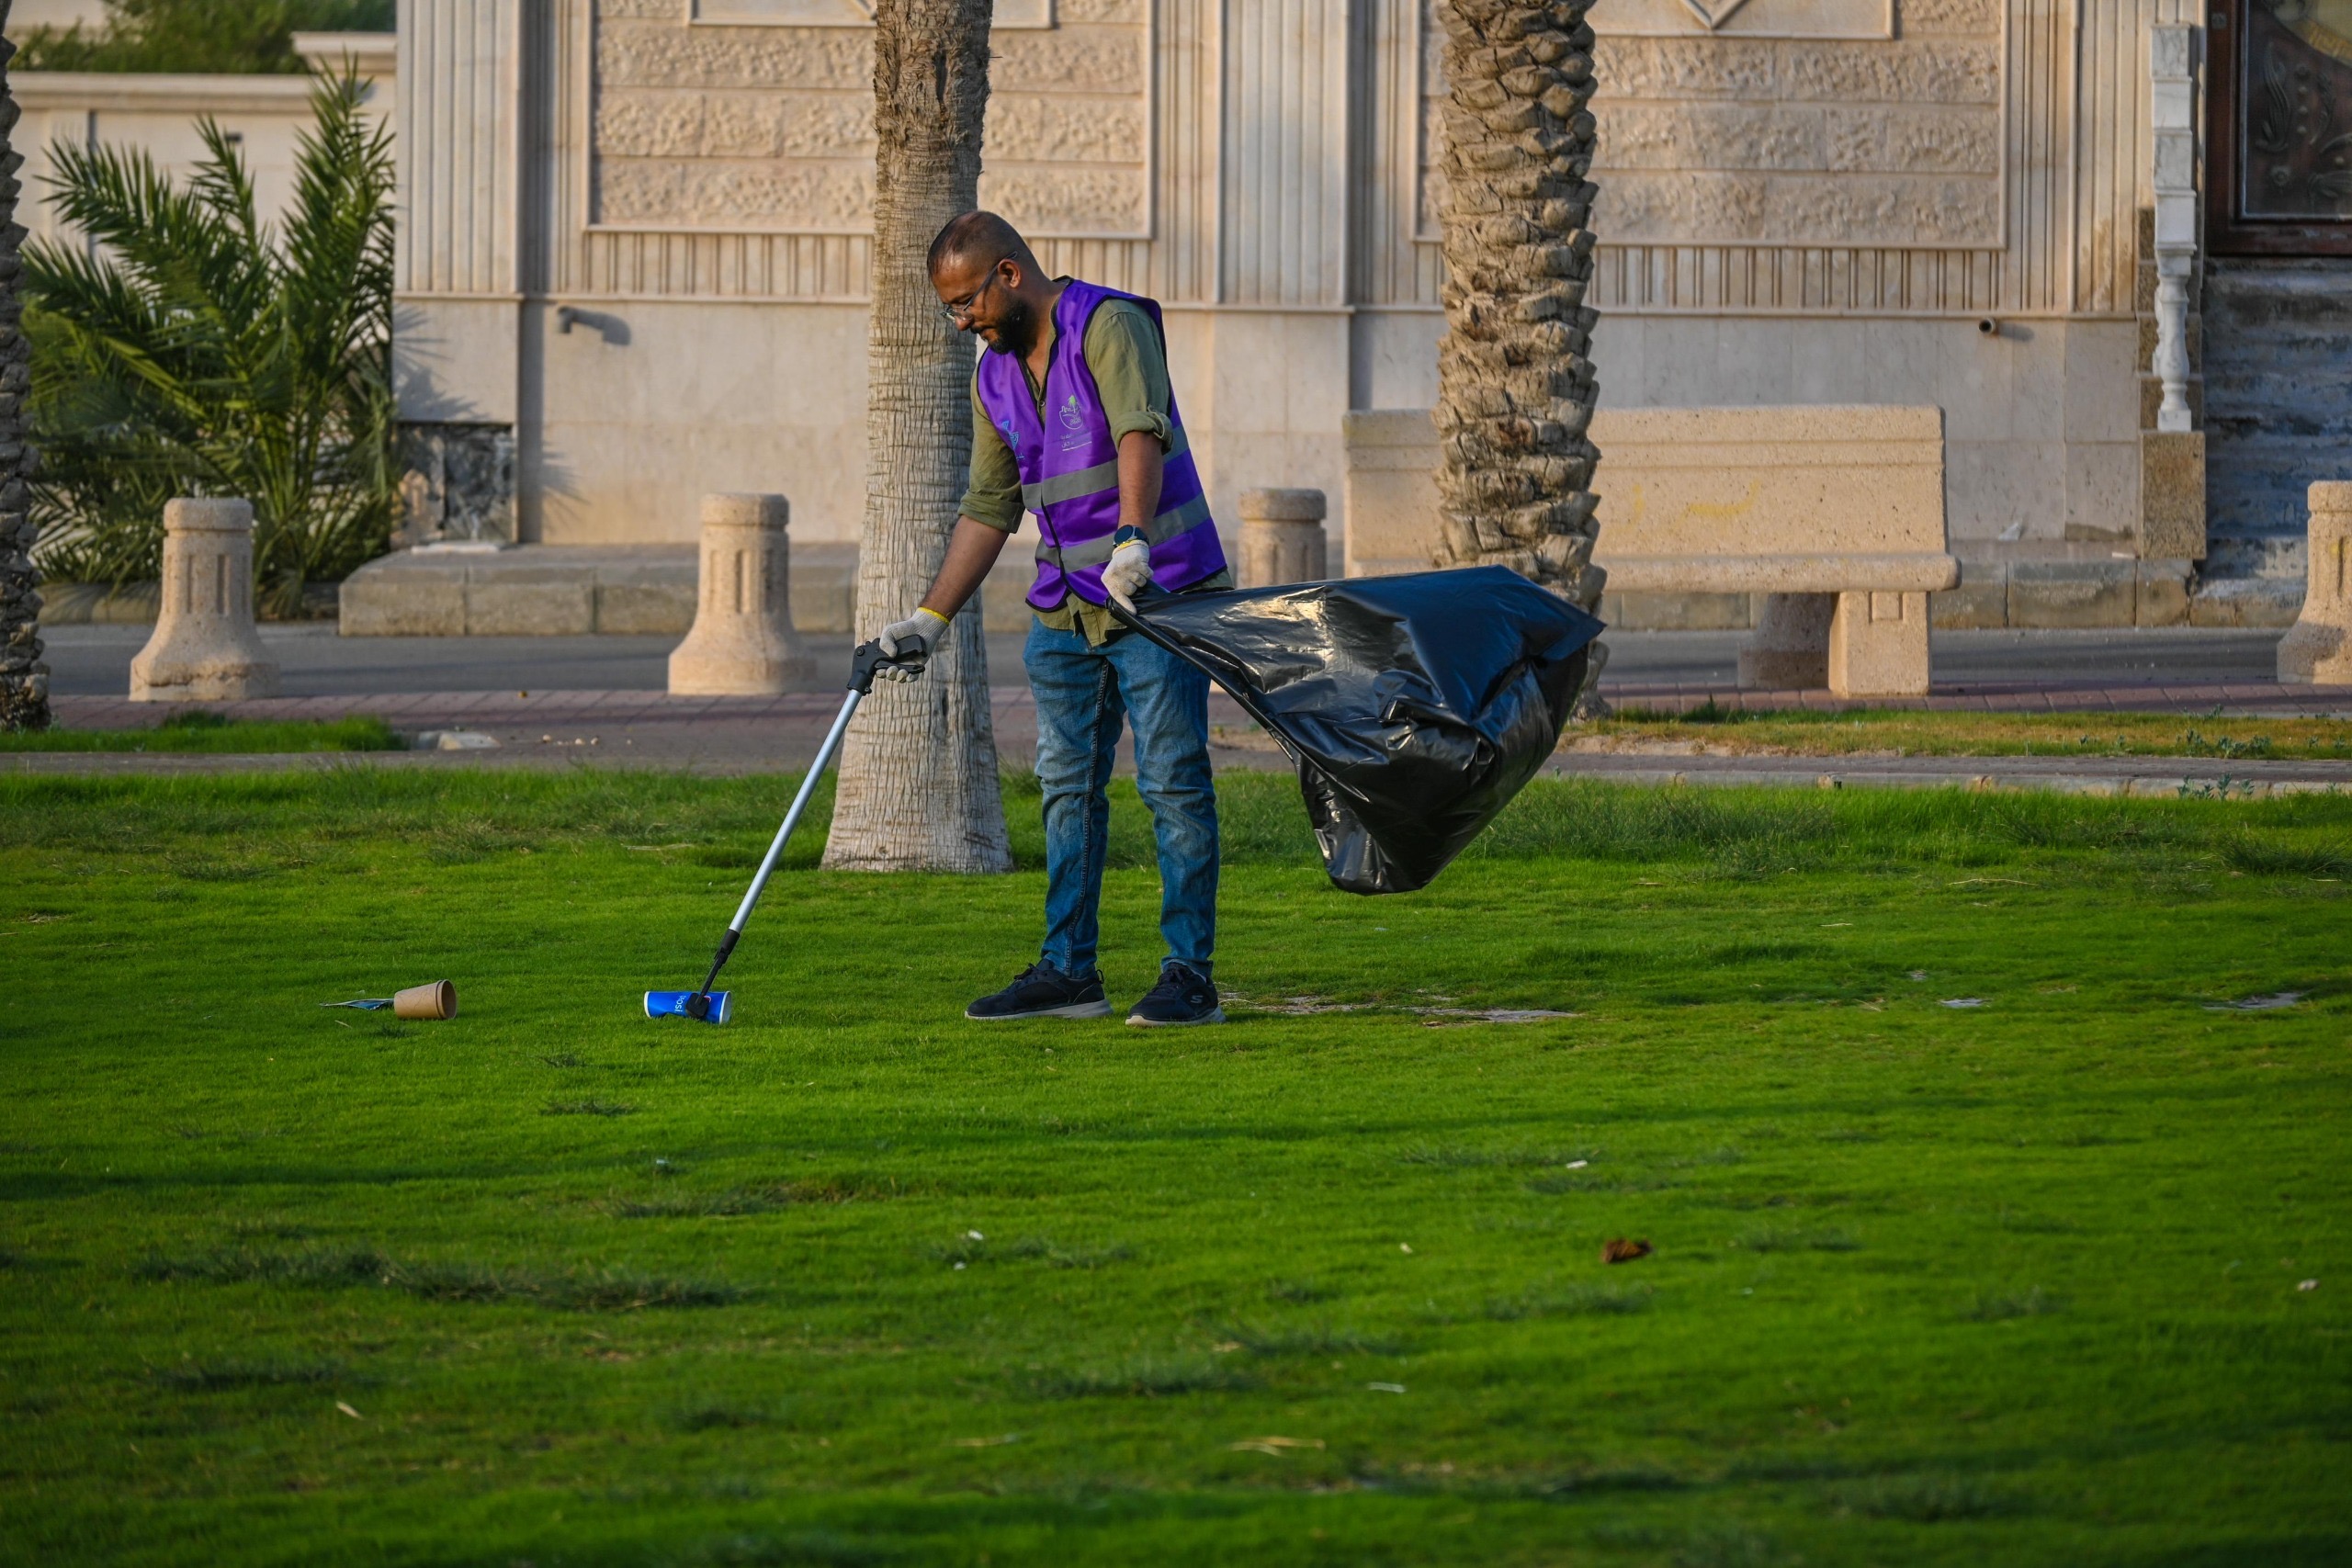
<point x="993" y="490"/>
<point x="1130" y="371"/>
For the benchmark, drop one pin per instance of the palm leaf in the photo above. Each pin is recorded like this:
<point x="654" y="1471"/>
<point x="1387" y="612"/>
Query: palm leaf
<point x="194" y="349"/>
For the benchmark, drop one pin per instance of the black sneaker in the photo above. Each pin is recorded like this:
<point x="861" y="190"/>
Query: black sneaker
<point x="1181" y="997"/>
<point x="1043" y="991"/>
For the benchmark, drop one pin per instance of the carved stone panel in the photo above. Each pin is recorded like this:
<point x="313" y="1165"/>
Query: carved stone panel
<point x="845" y="13"/>
<point x="1754" y="18"/>
<point x="1788" y="123"/>
<point x="756" y="117"/>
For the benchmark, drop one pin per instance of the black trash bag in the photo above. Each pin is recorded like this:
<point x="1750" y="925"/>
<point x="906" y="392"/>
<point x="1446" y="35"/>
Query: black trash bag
<point x="1415" y="706"/>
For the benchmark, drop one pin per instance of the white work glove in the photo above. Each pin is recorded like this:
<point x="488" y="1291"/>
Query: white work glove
<point x="1128" y="573"/>
<point x="907" y="644"/>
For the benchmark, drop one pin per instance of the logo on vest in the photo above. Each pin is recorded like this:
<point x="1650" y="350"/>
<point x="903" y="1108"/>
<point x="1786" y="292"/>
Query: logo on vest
<point x="1078" y="435"/>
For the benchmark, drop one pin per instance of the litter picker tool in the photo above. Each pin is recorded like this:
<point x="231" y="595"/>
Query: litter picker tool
<point x="706" y="1006"/>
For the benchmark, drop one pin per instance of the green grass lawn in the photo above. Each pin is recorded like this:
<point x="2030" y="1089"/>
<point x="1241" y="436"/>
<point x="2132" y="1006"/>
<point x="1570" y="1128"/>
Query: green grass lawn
<point x="851" y="1281"/>
<point x="201" y="731"/>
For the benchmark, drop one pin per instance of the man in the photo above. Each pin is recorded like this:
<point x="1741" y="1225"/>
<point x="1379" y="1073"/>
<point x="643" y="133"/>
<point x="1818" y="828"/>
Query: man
<point x="1072" y="418"/>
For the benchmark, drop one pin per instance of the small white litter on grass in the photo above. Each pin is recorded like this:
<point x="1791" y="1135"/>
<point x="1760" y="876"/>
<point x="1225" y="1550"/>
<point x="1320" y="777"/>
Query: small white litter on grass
<point x="2308" y="1285"/>
<point x="347" y="1410"/>
<point x="1274" y="1445"/>
<point x="1962" y="1002"/>
<point x="1575" y="1165"/>
<point x="1386" y="1387"/>
<point x="974" y="1235"/>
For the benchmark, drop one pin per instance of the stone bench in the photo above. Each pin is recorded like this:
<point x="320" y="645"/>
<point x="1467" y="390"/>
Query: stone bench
<point x="1836" y="514"/>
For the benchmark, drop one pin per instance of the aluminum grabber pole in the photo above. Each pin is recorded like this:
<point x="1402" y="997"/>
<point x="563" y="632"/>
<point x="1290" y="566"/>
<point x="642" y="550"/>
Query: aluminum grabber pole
<point x="863" y="666"/>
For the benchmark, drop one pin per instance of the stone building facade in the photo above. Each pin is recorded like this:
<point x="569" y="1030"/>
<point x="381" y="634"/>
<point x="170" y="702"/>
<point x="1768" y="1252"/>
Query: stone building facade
<point x="633" y="250"/>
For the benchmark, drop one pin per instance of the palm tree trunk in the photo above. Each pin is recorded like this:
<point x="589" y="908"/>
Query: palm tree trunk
<point x="24" y="679"/>
<point x="919" y="779"/>
<point x="1515" y="388"/>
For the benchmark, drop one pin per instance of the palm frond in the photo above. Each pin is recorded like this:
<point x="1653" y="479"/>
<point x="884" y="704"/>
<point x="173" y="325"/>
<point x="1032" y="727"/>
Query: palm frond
<point x="196" y="350"/>
<point x="223" y="188"/>
<point x="168" y="243"/>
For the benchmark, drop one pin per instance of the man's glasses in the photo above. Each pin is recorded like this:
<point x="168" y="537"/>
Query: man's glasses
<point x="958" y="312"/>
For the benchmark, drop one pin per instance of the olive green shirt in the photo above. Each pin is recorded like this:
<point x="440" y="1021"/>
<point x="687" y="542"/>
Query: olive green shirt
<point x="1130" y="372"/>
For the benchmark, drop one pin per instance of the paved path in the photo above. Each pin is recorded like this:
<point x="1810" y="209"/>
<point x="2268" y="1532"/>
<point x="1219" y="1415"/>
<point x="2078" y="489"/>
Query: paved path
<point x="96" y="661"/>
<point x="791" y="745"/>
<point x="513" y="691"/>
<point x="737" y="735"/>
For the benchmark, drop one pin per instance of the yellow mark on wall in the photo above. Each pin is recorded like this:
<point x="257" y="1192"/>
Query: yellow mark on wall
<point x="1723" y="513"/>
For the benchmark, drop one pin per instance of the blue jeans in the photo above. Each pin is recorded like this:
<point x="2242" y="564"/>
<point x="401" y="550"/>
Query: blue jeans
<point x="1083" y="695"/>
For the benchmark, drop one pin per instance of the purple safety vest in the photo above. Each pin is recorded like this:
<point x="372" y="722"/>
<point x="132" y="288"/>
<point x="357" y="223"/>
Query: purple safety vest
<point x="1069" y="464"/>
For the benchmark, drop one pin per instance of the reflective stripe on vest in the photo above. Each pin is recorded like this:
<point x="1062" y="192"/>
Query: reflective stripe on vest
<point x="1086" y="481"/>
<point x="1159" y="531"/>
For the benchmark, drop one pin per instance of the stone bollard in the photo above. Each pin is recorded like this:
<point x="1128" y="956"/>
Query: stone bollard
<point x="1282" y="537"/>
<point x="1789" y="649"/>
<point x="743" y="643"/>
<point x="2318" y="647"/>
<point x="205" y="649"/>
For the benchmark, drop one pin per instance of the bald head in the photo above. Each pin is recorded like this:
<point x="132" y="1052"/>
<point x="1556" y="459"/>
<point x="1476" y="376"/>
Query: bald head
<point x="980" y="241"/>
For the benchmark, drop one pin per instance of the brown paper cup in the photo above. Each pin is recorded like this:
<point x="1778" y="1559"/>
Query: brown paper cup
<point x="436" y="1000"/>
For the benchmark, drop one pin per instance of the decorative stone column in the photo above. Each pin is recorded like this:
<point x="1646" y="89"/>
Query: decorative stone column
<point x="2172" y="93"/>
<point x="2318" y="647"/>
<point x="1282" y="537"/>
<point x="743" y="643"/>
<point x="1789" y="649"/>
<point x="205" y="649"/>
<point x="2172" y="449"/>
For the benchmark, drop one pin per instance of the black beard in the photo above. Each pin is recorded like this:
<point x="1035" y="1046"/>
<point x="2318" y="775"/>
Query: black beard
<point x="1016" y="328"/>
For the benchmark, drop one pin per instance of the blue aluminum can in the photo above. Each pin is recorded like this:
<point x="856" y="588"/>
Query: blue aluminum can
<point x="673" y="1004"/>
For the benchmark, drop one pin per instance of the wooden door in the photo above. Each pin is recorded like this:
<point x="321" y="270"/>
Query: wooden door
<point x="2279" y="144"/>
